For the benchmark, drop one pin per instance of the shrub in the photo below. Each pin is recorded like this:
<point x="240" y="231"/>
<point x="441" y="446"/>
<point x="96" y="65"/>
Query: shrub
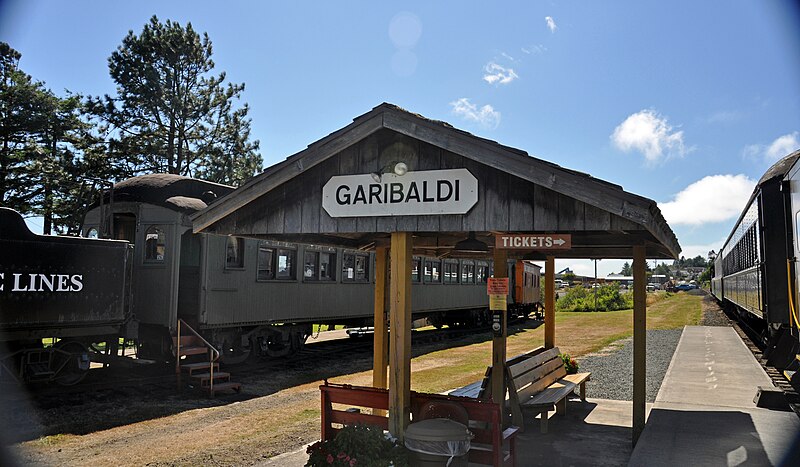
<point x="360" y="446"/>
<point x="570" y="364"/>
<point x="609" y="298"/>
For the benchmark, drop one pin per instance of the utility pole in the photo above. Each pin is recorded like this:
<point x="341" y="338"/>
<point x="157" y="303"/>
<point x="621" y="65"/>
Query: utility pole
<point x="595" y="284"/>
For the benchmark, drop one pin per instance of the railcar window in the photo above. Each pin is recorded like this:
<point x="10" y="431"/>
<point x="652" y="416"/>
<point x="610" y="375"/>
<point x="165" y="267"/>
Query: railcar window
<point x="432" y="271"/>
<point x="467" y="272"/>
<point x="234" y="253"/>
<point x="125" y="227"/>
<point x="318" y="266"/>
<point x="482" y="273"/>
<point x="451" y="272"/>
<point x="415" y="270"/>
<point x="355" y="267"/>
<point x="154" y="245"/>
<point x="285" y="267"/>
<point x="265" y="269"/>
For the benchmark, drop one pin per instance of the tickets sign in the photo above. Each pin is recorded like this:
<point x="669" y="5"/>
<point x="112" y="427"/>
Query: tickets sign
<point x="533" y="241"/>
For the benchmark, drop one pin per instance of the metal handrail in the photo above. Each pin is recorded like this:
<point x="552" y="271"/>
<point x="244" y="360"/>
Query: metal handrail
<point x="213" y="357"/>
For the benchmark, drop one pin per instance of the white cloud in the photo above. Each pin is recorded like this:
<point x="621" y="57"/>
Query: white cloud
<point x="715" y="198"/>
<point x="783" y="146"/>
<point x="497" y="74"/>
<point x="534" y="49"/>
<point x="780" y="147"/>
<point x="551" y="24"/>
<point x="649" y="133"/>
<point x="508" y="57"/>
<point x="485" y="116"/>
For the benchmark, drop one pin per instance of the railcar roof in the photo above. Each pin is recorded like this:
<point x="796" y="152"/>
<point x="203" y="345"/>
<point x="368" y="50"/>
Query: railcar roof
<point x="780" y="168"/>
<point x="176" y="192"/>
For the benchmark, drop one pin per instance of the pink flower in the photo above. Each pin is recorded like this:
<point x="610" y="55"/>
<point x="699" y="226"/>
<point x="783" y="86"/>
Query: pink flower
<point x="329" y="459"/>
<point x="341" y="455"/>
<point x="352" y="462"/>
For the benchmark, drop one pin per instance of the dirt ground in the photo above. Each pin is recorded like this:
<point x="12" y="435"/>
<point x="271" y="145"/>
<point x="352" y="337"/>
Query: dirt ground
<point x="277" y="413"/>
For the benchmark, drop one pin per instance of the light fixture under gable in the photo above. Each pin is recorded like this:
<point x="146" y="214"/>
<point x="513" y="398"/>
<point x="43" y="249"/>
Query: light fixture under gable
<point x="471" y="245"/>
<point x="396" y="167"/>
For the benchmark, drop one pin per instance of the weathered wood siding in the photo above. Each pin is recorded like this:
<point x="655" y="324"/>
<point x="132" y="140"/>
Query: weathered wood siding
<point x="506" y="203"/>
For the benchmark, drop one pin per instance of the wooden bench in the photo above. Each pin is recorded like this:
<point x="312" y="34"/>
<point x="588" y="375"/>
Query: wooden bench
<point x="491" y="444"/>
<point x="538" y="383"/>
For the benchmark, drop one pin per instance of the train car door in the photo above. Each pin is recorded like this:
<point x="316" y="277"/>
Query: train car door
<point x="189" y="277"/>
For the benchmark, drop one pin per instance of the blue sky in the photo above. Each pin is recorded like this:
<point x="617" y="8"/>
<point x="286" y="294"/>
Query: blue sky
<point x="683" y="102"/>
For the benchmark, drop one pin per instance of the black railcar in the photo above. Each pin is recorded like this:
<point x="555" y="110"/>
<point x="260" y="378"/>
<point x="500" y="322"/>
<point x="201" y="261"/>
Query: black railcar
<point x="71" y="289"/>
<point x="756" y="272"/>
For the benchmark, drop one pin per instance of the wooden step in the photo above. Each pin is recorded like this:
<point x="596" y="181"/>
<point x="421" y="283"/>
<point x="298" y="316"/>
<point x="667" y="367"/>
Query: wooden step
<point x="227" y="386"/>
<point x="200" y="366"/>
<point x="205" y="378"/>
<point x="193" y="350"/>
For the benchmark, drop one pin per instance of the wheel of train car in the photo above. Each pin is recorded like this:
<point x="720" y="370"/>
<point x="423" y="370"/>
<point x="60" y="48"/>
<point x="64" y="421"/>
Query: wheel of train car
<point x="233" y="354"/>
<point x="70" y="362"/>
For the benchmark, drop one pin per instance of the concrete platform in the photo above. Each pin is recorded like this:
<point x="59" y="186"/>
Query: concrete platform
<point x="704" y="413"/>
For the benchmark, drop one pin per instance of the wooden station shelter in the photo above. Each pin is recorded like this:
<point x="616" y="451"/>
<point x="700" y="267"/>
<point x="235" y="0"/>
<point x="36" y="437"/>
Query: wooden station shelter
<point x="395" y="182"/>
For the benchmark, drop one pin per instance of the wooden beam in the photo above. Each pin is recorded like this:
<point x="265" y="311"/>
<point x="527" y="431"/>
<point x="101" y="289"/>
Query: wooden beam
<point x="499" y="342"/>
<point x="639" y="344"/>
<point x="550" y="302"/>
<point x="381" y="335"/>
<point x="400" y="337"/>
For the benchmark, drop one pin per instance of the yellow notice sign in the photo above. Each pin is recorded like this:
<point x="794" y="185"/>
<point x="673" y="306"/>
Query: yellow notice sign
<point x="498" y="302"/>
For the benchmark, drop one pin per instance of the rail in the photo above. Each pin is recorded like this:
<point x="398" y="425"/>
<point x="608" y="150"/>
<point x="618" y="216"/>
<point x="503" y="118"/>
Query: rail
<point x="212" y="357"/>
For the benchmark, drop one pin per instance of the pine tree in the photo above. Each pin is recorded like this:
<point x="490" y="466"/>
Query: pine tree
<point x="171" y="114"/>
<point x="25" y="110"/>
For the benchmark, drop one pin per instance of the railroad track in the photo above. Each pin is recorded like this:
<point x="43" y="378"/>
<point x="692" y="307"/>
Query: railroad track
<point x="159" y="380"/>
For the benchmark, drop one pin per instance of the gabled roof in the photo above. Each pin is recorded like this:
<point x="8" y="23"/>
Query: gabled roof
<point x="580" y="186"/>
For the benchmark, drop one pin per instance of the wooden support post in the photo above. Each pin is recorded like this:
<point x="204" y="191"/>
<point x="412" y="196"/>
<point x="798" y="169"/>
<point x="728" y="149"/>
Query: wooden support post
<point x="639" y="344"/>
<point x="499" y="342"/>
<point x="400" y="337"/>
<point x="380" y="354"/>
<point x="380" y="336"/>
<point x="550" y="303"/>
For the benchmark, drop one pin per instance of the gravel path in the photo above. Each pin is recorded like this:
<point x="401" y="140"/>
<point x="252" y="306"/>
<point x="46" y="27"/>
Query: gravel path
<point x="612" y="368"/>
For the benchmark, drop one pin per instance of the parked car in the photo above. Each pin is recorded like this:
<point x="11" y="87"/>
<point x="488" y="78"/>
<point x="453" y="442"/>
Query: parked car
<point x="685" y="287"/>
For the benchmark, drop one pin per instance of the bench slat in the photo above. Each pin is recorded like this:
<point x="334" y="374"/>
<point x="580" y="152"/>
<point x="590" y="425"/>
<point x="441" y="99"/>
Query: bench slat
<point x="550" y="396"/>
<point x="470" y="390"/>
<point x="557" y="372"/>
<point x="525" y="366"/>
<point x="577" y="378"/>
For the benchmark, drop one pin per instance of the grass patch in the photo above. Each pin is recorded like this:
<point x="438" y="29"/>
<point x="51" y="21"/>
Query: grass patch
<point x="54" y="440"/>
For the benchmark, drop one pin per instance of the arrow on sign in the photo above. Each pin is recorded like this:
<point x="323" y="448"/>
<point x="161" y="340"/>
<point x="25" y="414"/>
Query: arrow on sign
<point x="559" y="241"/>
